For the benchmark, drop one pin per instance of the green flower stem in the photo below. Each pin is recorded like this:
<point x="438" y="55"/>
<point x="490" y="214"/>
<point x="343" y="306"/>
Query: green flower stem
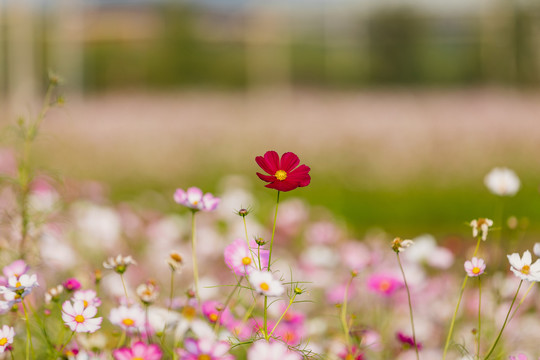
<point x="522" y="299"/>
<point x="227" y="301"/>
<point x="249" y="312"/>
<point x="29" y="346"/>
<point x="479" y="316"/>
<point x="124" y="285"/>
<point x="171" y="294"/>
<point x="343" y="315"/>
<point x="265" y="314"/>
<point x="410" y="305"/>
<point x="504" y="324"/>
<point x="446" y="345"/>
<point x="67" y="342"/>
<point x="282" y="315"/>
<point x="194" y="256"/>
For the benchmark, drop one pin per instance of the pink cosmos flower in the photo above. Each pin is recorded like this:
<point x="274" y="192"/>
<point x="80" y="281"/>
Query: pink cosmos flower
<point x="88" y="297"/>
<point x="353" y="353"/>
<point x="72" y="284"/>
<point x="519" y="357"/>
<point x="242" y="260"/>
<point x="407" y="341"/>
<point x="194" y="199"/>
<point x="211" y="310"/>
<point x="6" y="337"/>
<point x="80" y="318"/>
<point x="475" y="267"/>
<point x="205" y="349"/>
<point x="138" y="351"/>
<point x="262" y="350"/>
<point x="16" y="268"/>
<point x="131" y="318"/>
<point x="384" y="284"/>
<point x="284" y="174"/>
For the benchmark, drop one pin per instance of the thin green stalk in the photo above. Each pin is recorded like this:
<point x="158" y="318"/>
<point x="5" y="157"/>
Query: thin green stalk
<point x="265" y="314"/>
<point x="29" y="345"/>
<point x="282" y="315"/>
<point x="343" y="315"/>
<point x="194" y="256"/>
<point x="446" y="345"/>
<point x="479" y="316"/>
<point x="410" y="305"/>
<point x="124" y="285"/>
<point x="121" y="340"/>
<point x="227" y="301"/>
<point x="67" y="342"/>
<point x="504" y="324"/>
<point x="522" y="299"/>
<point x="249" y="312"/>
<point x="171" y="295"/>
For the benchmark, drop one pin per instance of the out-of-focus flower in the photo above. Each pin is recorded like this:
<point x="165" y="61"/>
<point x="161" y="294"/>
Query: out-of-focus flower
<point x="536" y="249"/>
<point x="352" y="353"/>
<point x="194" y="199"/>
<point x="147" y="292"/>
<point x="72" y="284"/>
<point x="262" y="350"/>
<point x="80" y="318"/>
<point x="175" y="260"/>
<point x="131" y="319"/>
<point x="355" y="255"/>
<point x="475" y="267"/>
<point x="399" y="245"/>
<point x="407" y="341"/>
<point x="384" y="284"/>
<point x="205" y="349"/>
<point x="336" y="294"/>
<point x="6" y="337"/>
<point x="426" y="251"/>
<point x="16" y="268"/>
<point x="119" y="263"/>
<point x="242" y="260"/>
<point x="522" y="267"/>
<point x="53" y="294"/>
<point x="284" y="174"/>
<point x="21" y="286"/>
<point x="88" y="297"/>
<point x="138" y="351"/>
<point x="502" y="181"/>
<point x="481" y="225"/>
<point x="519" y="357"/>
<point x="265" y="284"/>
<point x="211" y="310"/>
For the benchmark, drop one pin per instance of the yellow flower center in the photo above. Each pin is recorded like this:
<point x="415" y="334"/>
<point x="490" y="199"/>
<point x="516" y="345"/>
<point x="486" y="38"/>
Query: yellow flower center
<point x="280" y="175"/>
<point x="525" y="269"/>
<point x="349" y="357"/>
<point x="137" y="358"/>
<point x="204" y="357"/>
<point x="3" y="341"/>
<point x="476" y="270"/>
<point x="85" y="303"/>
<point x="264" y="286"/>
<point x="384" y="285"/>
<point x="128" y="322"/>
<point x="189" y="312"/>
<point x="213" y="317"/>
<point x="79" y="319"/>
<point x="246" y="260"/>
<point x="18" y="284"/>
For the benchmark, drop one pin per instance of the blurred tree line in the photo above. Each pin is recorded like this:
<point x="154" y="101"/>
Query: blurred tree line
<point x="186" y="47"/>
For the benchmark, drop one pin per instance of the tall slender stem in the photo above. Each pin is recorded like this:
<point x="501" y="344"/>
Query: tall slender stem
<point x="124" y="285"/>
<point x="343" y="315"/>
<point x="282" y="315"/>
<point x="265" y="314"/>
<point x="447" y="344"/>
<point x="227" y="301"/>
<point x="504" y="324"/>
<point x="410" y="305"/>
<point x="29" y="346"/>
<point x="194" y="256"/>
<point x="479" y="316"/>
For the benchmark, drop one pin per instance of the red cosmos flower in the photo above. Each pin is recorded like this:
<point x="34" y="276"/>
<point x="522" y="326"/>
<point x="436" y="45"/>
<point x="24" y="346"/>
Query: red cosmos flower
<point x="284" y="174"/>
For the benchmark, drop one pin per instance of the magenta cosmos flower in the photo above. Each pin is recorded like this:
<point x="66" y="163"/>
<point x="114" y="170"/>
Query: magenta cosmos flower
<point x="138" y="351"/>
<point x="384" y="284"/>
<point x="205" y="349"/>
<point x="284" y="173"/>
<point x="194" y="199"/>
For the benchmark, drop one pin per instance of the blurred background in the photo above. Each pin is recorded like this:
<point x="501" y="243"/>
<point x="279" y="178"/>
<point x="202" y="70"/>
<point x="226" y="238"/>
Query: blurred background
<point x="400" y="107"/>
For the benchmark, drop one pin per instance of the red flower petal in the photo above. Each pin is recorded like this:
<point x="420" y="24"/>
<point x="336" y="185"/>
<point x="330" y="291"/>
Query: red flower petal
<point x="263" y="164"/>
<point x="272" y="159"/>
<point x="283" y="185"/>
<point x="267" y="178"/>
<point x="289" y="161"/>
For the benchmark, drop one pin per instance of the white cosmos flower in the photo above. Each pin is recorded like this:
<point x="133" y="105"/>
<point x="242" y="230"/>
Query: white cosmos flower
<point x="265" y="284"/>
<point x="522" y="267"/>
<point x="502" y="182"/>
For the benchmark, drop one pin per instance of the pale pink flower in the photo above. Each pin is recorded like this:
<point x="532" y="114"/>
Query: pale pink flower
<point x="213" y="310"/>
<point x="131" y="318"/>
<point x="523" y="268"/>
<point x="205" y="349"/>
<point x="262" y="350"/>
<point x="16" y="268"/>
<point x="242" y="260"/>
<point x="519" y="357"/>
<point x="194" y="199"/>
<point x="88" y="297"/>
<point x="6" y="337"/>
<point x="80" y="318"/>
<point x="265" y="284"/>
<point x="475" y="267"/>
<point x="384" y="284"/>
<point x="138" y="351"/>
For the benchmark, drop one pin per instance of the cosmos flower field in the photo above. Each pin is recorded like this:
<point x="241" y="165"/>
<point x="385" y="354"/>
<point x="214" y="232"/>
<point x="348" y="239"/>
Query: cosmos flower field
<point x="217" y="278"/>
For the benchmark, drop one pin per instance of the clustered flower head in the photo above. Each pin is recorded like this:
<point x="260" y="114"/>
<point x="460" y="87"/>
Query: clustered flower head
<point x="399" y="245"/>
<point x="481" y="225"/>
<point x="194" y="199"/>
<point x="523" y="268"/>
<point x="147" y="292"/>
<point x="283" y="174"/>
<point x="475" y="267"/>
<point x="53" y="294"/>
<point x="502" y="181"/>
<point x="119" y="263"/>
